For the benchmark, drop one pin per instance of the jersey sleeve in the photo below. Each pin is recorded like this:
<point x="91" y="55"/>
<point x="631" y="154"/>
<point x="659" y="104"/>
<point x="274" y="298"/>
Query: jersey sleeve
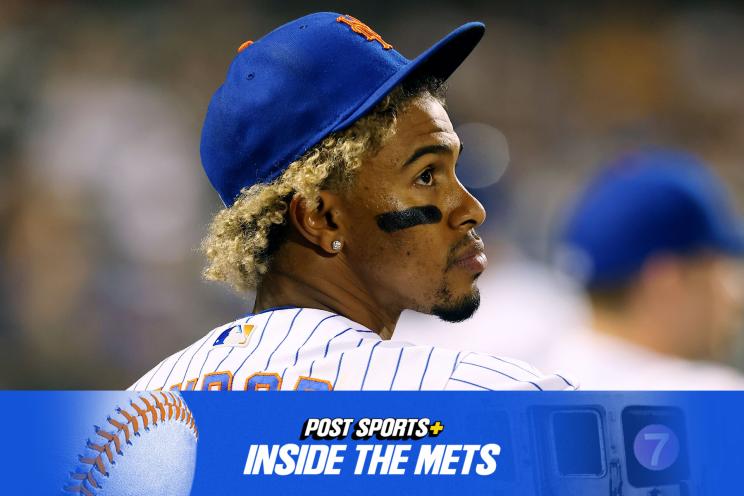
<point x="480" y="372"/>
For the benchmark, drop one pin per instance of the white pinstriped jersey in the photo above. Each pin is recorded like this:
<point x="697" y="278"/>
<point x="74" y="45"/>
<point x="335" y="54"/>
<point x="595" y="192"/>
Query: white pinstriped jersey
<point x="310" y="349"/>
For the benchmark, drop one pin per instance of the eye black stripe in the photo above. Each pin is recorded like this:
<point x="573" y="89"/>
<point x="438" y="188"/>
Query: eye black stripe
<point x="410" y="217"/>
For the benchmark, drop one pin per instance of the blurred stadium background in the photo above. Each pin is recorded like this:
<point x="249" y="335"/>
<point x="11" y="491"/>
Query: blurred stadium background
<point x="103" y="201"/>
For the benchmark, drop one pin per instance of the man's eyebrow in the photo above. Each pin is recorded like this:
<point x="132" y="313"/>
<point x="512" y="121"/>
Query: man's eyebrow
<point x="425" y="150"/>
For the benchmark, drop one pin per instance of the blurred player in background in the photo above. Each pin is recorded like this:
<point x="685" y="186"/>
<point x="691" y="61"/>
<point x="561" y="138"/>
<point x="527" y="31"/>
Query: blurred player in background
<point x="657" y="244"/>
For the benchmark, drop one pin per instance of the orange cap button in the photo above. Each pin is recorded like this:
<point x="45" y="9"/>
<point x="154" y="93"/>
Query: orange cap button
<point x="245" y="45"/>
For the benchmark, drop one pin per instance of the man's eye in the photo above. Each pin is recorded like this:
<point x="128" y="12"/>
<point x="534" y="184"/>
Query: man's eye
<point x="426" y="178"/>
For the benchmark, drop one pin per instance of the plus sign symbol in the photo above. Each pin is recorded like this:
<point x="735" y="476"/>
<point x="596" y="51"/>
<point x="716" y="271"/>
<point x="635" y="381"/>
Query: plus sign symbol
<point x="435" y="428"/>
<point x="656" y="447"/>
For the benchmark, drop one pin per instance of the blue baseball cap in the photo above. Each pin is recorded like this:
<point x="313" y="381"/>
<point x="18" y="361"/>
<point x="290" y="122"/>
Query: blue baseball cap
<point x="311" y="77"/>
<point x="648" y="203"/>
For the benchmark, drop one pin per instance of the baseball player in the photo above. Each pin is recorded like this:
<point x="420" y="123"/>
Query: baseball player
<point x="658" y="246"/>
<point x="335" y="159"/>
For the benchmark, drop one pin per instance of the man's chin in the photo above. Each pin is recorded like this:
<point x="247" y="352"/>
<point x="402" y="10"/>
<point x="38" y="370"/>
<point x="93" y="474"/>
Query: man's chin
<point x="458" y="310"/>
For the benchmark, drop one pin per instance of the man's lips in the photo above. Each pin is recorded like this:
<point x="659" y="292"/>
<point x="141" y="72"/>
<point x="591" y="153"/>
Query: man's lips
<point x="473" y="257"/>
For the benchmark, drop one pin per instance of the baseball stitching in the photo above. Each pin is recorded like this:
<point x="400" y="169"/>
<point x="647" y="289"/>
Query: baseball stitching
<point x="169" y="407"/>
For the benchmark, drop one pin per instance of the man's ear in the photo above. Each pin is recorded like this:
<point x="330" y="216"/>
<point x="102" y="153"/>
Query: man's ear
<point x="320" y="225"/>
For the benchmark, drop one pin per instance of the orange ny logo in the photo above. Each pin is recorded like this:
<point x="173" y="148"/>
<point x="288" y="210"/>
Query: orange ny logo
<point x="359" y="27"/>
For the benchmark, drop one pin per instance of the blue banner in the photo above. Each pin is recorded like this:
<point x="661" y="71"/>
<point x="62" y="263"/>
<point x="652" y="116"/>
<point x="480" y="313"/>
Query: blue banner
<point x="231" y="443"/>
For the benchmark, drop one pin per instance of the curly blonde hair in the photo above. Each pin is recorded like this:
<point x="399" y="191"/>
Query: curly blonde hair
<point x="242" y="238"/>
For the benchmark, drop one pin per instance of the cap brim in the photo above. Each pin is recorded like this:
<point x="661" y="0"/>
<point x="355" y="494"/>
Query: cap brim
<point x="439" y="61"/>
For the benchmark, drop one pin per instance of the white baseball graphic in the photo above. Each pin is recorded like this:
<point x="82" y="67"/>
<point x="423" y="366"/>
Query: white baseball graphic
<point x="141" y="443"/>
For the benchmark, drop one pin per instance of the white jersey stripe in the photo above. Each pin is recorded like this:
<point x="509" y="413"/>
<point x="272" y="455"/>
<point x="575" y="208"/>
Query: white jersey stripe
<point x="372" y="352"/>
<point x="397" y="366"/>
<point x="565" y="380"/>
<point x="297" y="355"/>
<point x="328" y="344"/>
<point x="375" y="338"/>
<point x="500" y="372"/>
<point x="515" y="369"/>
<point x="282" y="341"/>
<point x="153" y="375"/>
<point x="426" y="367"/>
<point x="223" y="360"/>
<point x="516" y="365"/>
<point x="211" y="369"/>
<point x="201" y="370"/>
<point x="175" y="363"/>
<point x="471" y="384"/>
<point x="205" y="340"/>
<point x="338" y="370"/>
<point x="257" y="344"/>
<point x="457" y="360"/>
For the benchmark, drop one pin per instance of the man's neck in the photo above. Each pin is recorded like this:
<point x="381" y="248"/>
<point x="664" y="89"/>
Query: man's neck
<point x="282" y="289"/>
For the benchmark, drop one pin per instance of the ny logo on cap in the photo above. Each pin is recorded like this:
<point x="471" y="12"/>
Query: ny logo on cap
<point x="359" y="27"/>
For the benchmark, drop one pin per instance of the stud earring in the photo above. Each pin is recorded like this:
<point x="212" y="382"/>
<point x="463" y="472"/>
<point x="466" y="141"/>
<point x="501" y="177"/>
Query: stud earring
<point x="336" y="245"/>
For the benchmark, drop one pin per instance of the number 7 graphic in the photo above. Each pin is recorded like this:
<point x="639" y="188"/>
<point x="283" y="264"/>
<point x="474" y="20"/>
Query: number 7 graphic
<point x="662" y="438"/>
<point x="656" y="447"/>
